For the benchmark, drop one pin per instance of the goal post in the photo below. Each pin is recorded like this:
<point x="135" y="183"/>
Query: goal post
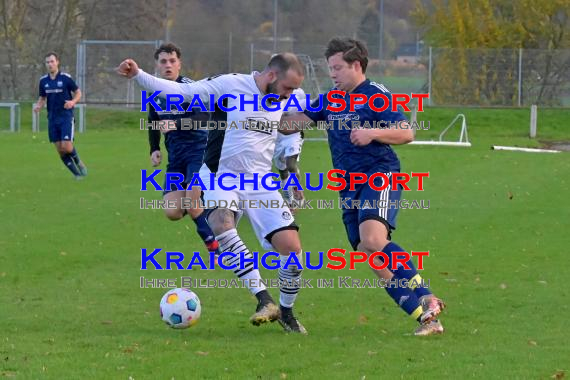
<point x="14" y="112"/>
<point x="463" y="141"/>
<point x="79" y="115"/>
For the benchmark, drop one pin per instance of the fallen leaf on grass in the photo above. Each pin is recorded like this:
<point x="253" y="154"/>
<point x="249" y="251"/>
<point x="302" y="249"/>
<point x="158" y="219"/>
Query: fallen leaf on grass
<point x="202" y="353"/>
<point x="558" y="375"/>
<point x="532" y="343"/>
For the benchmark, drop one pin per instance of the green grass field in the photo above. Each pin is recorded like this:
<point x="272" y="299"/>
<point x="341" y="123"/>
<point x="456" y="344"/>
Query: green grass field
<point x="71" y="306"/>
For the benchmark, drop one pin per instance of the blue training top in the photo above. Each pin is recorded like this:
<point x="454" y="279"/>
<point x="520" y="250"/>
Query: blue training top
<point x="57" y="91"/>
<point x="374" y="157"/>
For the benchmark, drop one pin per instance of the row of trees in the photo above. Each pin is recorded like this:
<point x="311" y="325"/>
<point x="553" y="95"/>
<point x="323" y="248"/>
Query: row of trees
<point x="483" y="66"/>
<point x="30" y="28"/>
<point x="215" y="36"/>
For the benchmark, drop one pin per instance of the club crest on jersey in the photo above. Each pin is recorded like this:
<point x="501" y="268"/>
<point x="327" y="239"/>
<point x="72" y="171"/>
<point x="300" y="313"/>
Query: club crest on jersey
<point x="286" y="215"/>
<point x="59" y="83"/>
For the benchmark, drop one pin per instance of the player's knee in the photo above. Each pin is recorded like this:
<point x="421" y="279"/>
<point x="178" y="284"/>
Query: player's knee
<point x="66" y="147"/>
<point x="297" y="269"/>
<point x="174" y="214"/>
<point x="372" y="244"/>
<point x="194" y="212"/>
<point x="291" y="247"/>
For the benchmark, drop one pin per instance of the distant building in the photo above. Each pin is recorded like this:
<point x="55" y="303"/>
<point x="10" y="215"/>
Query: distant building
<point x="409" y="53"/>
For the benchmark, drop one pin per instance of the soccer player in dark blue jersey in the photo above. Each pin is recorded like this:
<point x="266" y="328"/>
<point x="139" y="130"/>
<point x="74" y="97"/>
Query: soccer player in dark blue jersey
<point x="185" y="147"/>
<point x="61" y="94"/>
<point x="368" y="150"/>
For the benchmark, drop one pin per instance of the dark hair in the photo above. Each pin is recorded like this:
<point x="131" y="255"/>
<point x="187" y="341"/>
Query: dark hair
<point x="284" y="62"/>
<point x="167" y="48"/>
<point x="50" y="54"/>
<point x="353" y="50"/>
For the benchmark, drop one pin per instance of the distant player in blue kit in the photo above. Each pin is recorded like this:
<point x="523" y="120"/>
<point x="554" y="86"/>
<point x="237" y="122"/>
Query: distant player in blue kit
<point x="185" y="147"/>
<point x="368" y="150"/>
<point x="62" y="94"/>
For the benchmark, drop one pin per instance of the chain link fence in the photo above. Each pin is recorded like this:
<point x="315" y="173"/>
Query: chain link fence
<point x="467" y="77"/>
<point x="498" y="77"/>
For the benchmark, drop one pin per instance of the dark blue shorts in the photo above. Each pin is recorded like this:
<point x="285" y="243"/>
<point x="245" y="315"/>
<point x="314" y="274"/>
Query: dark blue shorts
<point x="186" y="166"/>
<point x="381" y="209"/>
<point x="61" y="130"/>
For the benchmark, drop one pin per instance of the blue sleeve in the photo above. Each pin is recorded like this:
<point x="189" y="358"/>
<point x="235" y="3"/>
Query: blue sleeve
<point x="315" y="115"/>
<point x="42" y="90"/>
<point x="71" y="85"/>
<point x="153" y="134"/>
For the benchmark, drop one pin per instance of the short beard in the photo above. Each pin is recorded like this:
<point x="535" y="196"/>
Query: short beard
<point x="272" y="89"/>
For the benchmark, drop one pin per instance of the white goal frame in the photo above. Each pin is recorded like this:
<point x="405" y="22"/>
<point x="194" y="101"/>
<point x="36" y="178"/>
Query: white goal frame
<point x="36" y="117"/>
<point x="463" y="136"/>
<point x="15" y="118"/>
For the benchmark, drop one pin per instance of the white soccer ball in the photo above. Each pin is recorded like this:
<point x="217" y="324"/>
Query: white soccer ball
<point x="180" y="308"/>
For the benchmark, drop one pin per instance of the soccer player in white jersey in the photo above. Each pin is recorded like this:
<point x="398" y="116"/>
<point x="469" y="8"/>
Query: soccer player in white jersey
<point x="247" y="149"/>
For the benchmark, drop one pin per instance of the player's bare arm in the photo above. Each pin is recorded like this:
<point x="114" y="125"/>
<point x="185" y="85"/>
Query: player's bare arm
<point x="213" y="86"/>
<point x="69" y="104"/>
<point x="39" y="104"/>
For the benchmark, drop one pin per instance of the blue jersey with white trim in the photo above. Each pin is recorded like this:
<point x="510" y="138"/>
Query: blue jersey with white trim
<point x="373" y="157"/>
<point x="57" y="91"/>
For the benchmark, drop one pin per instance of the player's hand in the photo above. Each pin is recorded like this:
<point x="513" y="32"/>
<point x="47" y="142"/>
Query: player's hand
<point x="37" y="108"/>
<point x="128" y="68"/>
<point x="69" y="104"/>
<point x="156" y="158"/>
<point x="361" y="137"/>
<point x="299" y="195"/>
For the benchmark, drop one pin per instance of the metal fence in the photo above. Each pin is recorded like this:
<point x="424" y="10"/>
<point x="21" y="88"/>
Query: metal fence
<point x="97" y="61"/>
<point x="468" y="77"/>
<point x="498" y="77"/>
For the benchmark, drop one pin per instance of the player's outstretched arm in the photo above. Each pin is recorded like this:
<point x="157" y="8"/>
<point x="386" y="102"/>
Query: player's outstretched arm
<point x="216" y="86"/>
